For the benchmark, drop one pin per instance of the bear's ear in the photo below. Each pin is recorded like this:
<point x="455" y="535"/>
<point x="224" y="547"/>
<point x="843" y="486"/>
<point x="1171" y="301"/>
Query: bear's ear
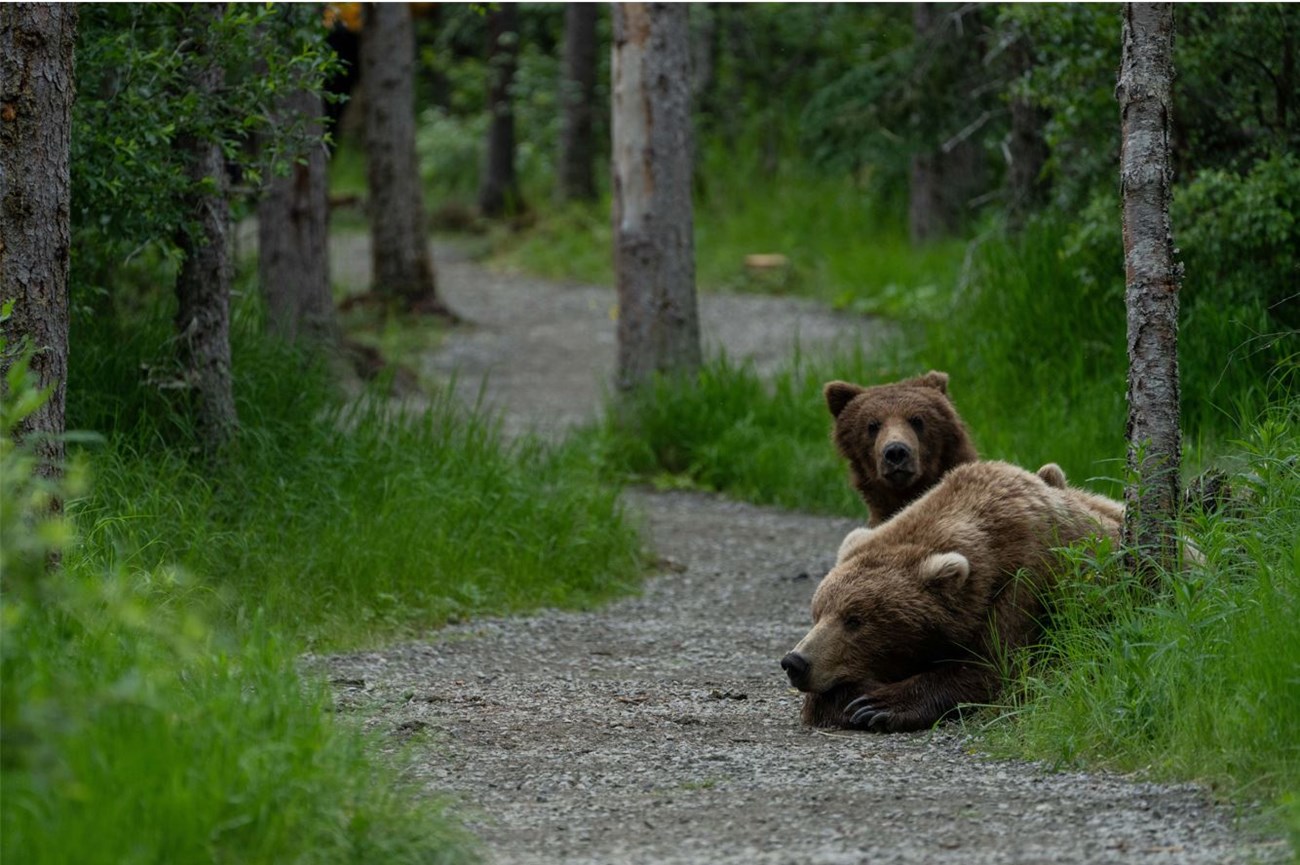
<point x="935" y="379"/>
<point x="1053" y="476"/>
<point x="839" y="394"/>
<point x="945" y="570"/>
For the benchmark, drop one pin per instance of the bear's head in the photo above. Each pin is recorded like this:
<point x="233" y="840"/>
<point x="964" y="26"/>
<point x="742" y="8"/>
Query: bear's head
<point x="899" y="439"/>
<point x="880" y="617"/>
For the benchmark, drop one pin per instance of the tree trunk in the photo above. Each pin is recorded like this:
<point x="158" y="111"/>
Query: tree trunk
<point x="292" y="236"/>
<point x="1151" y="284"/>
<point x="947" y="172"/>
<point x="402" y="263"/>
<point x="576" y="175"/>
<point x="36" y="91"/>
<point x="1027" y="150"/>
<point x="654" y="247"/>
<point x="203" y="284"/>
<point x="499" y="187"/>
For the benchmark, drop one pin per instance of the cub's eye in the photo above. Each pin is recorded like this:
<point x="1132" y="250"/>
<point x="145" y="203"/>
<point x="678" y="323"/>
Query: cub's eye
<point x="917" y="423"/>
<point x="852" y="623"/>
<point x="873" y="427"/>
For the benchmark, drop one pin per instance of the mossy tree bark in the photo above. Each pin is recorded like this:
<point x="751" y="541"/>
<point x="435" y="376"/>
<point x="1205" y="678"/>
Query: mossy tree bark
<point x="1151" y="284"/>
<point x="36" y="92"/>
<point x="654" y="247"/>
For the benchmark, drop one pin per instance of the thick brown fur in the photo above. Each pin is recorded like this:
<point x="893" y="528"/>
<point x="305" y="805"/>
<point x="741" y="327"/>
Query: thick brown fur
<point x="909" y="624"/>
<point x="912" y="421"/>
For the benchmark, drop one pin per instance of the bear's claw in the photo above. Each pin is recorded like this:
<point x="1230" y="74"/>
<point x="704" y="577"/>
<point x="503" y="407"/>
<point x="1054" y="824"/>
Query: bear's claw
<point x="864" y="712"/>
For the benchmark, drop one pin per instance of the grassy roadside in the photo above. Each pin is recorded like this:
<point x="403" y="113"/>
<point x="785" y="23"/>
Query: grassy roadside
<point x="151" y="708"/>
<point x="1202" y="678"/>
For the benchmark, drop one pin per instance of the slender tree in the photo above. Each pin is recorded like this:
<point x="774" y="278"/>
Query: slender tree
<point x="1151" y="283"/>
<point x="292" y="231"/>
<point x="576" y="175"/>
<point x="654" y="251"/>
<point x="945" y="171"/>
<point x="36" y="91"/>
<point x="499" y="188"/>
<point x="203" y="284"/>
<point x="1026" y="142"/>
<point x="403" y="264"/>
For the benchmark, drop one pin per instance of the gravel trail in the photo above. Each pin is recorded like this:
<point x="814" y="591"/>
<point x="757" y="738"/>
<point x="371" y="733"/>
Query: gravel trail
<point x="659" y="729"/>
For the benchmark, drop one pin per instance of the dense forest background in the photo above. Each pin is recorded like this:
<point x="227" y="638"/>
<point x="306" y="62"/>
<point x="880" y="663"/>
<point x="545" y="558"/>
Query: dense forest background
<point x="952" y="169"/>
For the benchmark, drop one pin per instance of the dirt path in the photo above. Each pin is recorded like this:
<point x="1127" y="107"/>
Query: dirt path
<point x="660" y="729"/>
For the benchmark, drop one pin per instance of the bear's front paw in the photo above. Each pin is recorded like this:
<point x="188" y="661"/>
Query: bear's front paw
<point x="893" y="708"/>
<point x="869" y="712"/>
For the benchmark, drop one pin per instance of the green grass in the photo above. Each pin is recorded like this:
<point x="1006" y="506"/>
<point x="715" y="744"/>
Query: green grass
<point x="1201" y="680"/>
<point x="140" y="724"/>
<point x="134" y="732"/>
<point x="342" y="523"/>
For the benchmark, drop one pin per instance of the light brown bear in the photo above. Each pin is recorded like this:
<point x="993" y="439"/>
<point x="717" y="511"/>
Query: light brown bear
<point x="910" y="624"/>
<point x="899" y="438"/>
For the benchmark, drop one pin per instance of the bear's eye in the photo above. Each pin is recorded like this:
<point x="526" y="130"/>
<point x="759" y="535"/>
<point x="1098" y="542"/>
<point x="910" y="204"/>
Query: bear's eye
<point x="917" y="424"/>
<point x="852" y="623"/>
<point x="873" y="427"/>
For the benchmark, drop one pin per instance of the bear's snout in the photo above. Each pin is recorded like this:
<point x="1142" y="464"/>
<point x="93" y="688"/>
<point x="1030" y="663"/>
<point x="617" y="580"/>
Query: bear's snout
<point x="796" y="666"/>
<point x="897" y="457"/>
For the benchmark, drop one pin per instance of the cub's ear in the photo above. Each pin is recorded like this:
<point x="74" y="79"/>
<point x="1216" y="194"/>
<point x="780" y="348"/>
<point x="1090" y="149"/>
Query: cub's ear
<point x="838" y="394"/>
<point x="945" y="570"/>
<point x="1053" y="476"/>
<point x="935" y="379"/>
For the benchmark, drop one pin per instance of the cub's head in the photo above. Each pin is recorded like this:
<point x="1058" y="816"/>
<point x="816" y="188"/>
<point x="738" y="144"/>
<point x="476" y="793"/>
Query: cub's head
<point x="898" y="438"/>
<point x="879" y="619"/>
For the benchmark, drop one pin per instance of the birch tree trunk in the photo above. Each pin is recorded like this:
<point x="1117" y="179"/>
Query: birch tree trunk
<point x="203" y="284"/>
<point x="292" y="232"/>
<point x="36" y="91"/>
<point x="499" y="186"/>
<point x="402" y="263"/>
<point x="1151" y="284"/>
<point x="654" y="246"/>
<point x="576" y="175"/>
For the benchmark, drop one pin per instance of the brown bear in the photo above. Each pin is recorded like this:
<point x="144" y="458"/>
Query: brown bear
<point x="899" y="438"/>
<point x="911" y="623"/>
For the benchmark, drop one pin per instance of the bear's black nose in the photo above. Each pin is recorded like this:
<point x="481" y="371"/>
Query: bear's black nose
<point x="796" y="666"/>
<point x="897" y="454"/>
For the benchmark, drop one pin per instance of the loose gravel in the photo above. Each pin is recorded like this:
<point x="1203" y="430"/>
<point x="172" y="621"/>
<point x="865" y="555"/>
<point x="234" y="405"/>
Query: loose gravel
<point x="660" y="729"/>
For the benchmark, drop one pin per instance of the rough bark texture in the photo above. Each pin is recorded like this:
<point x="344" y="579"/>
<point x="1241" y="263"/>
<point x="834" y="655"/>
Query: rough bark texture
<point x="36" y="91"/>
<point x="576" y="175"/>
<point x="654" y="248"/>
<point x="947" y="173"/>
<point x="499" y="188"/>
<point x="1151" y="282"/>
<point x="403" y="264"/>
<point x="292" y="232"/>
<point x="203" y="284"/>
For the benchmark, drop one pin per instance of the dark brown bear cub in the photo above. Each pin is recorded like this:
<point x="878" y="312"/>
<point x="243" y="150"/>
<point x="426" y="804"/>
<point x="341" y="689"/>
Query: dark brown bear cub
<point x="899" y="439"/>
<point x="909" y="624"/>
